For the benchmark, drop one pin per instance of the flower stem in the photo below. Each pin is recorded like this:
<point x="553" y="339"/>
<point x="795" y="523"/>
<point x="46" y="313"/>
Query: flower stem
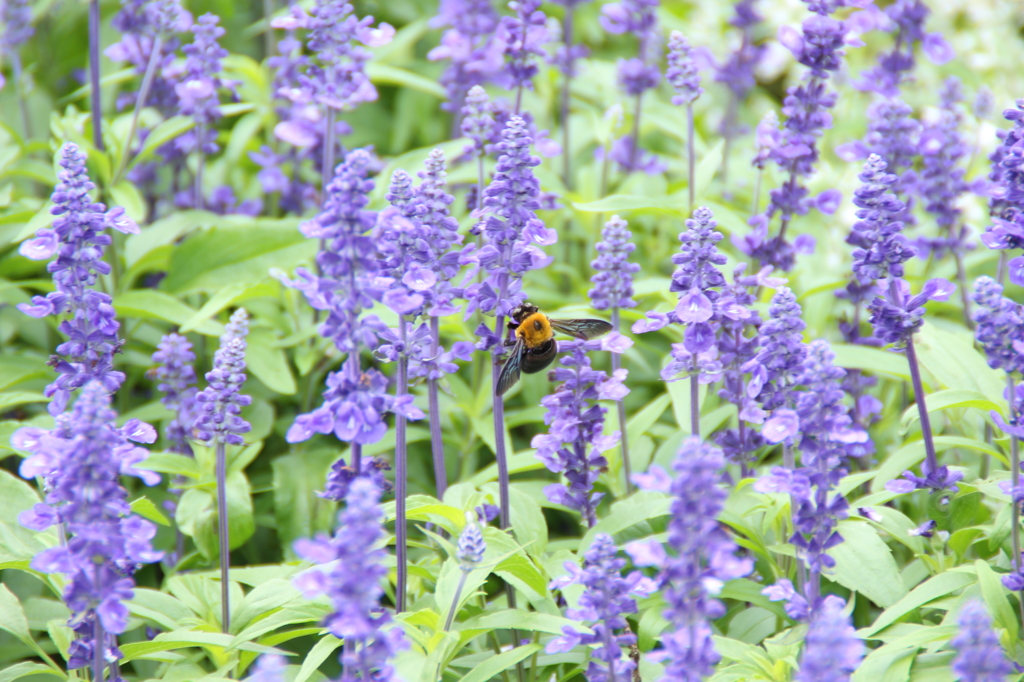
<point x="757" y="193"/>
<point x="455" y="600"/>
<point x="401" y="477"/>
<point x="695" y="401"/>
<point x="200" y="134"/>
<point x="1001" y="269"/>
<point x="268" y="32"/>
<point x="480" y="181"/>
<point x="690" y="163"/>
<point x="635" y="151"/>
<point x="94" y="74"/>
<point x="19" y="85"/>
<point x="99" y="663"/>
<point x="1014" y="478"/>
<point x="436" y="442"/>
<point x="566" y="156"/>
<point x="620" y="407"/>
<point x="922" y="408"/>
<point x="356" y="448"/>
<point x="328" y="157"/>
<point x="140" y="102"/>
<point x="222" y="532"/>
<point x="965" y="296"/>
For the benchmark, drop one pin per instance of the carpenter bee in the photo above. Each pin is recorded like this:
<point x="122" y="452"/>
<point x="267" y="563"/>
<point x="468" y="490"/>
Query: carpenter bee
<point x="534" y="347"/>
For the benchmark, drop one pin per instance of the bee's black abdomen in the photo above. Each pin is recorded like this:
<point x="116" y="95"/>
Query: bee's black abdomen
<point x="537" y="359"/>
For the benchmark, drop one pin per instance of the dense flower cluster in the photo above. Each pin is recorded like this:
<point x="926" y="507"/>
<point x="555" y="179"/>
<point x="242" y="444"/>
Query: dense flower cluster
<point x="220" y="403"/>
<point x="350" y="568"/>
<point x="471" y="546"/>
<point x="177" y="377"/>
<point x="469" y="44"/>
<point x="1006" y="202"/>
<point x="573" y="444"/>
<point x="682" y="71"/>
<point x="613" y="279"/>
<point x="522" y="36"/>
<point x="607" y="599"/>
<point x="776" y="369"/>
<point x="703" y="559"/>
<point x="881" y="249"/>
<point x="197" y="90"/>
<point x="16" y="20"/>
<point x="82" y="459"/>
<point x="999" y="326"/>
<point x="78" y="239"/>
<point x="511" y="229"/>
<point x="636" y="17"/>
<point x="906" y="19"/>
<point x="832" y="650"/>
<point x="979" y="657"/>
<point x="806" y="106"/>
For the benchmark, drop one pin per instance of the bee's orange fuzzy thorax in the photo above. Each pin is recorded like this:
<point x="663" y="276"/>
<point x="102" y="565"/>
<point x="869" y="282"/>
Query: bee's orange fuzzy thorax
<point x="534" y="330"/>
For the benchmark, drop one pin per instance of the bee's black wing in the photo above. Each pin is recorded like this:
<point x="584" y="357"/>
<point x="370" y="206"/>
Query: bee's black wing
<point x="581" y="329"/>
<point x="510" y="370"/>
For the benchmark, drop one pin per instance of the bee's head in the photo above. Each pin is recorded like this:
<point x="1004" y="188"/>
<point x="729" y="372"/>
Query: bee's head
<point x="521" y="312"/>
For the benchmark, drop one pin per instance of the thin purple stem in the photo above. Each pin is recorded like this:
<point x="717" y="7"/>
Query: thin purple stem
<point x="94" y="74"/>
<point x="455" y="602"/>
<point x="200" y="134"/>
<point x="636" y="133"/>
<point x="690" y="163"/>
<point x="22" y="99"/>
<point x="499" y="433"/>
<point x="99" y="664"/>
<point x="566" y="156"/>
<point x="1014" y="479"/>
<point x="620" y="407"/>
<point x="436" y="442"/>
<point x="480" y="181"/>
<point x="140" y="102"/>
<point x="224" y="536"/>
<point x="922" y="408"/>
<point x="401" y="477"/>
<point x="328" y="157"/>
<point x="695" y="401"/>
<point x="356" y="448"/>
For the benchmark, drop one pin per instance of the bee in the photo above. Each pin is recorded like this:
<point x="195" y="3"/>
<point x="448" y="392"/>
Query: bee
<point x="534" y="347"/>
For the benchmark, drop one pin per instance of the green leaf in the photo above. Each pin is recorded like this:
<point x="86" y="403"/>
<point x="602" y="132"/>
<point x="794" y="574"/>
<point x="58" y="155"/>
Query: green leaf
<point x="864" y="563"/>
<point x="926" y="592"/>
<point x="238" y="251"/>
<point x="26" y="668"/>
<point x="995" y="596"/>
<point x="16" y="541"/>
<point x="128" y="197"/>
<point x="12" y="615"/>
<point x="145" y="508"/>
<point x="161" y="135"/>
<point x="528" y="521"/>
<point x="150" y="304"/>
<point x="646" y="418"/>
<point x="619" y="203"/>
<point x="9" y="399"/>
<point x="492" y="667"/>
<point x="261" y="600"/>
<point x="197" y="515"/>
<point x="171" y="463"/>
<point x="524" y="621"/>
<point x="224" y="298"/>
<point x="269" y="364"/>
<point x="871" y="360"/>
<point x="952" y="399"/>
<point x="298" y="510"/>
<point x="637" y="508"/>
<point x="393" y="75"/>
<point x="327" y="645"/>
<point x="954" y="361"/>
<point x="707" y="168"/>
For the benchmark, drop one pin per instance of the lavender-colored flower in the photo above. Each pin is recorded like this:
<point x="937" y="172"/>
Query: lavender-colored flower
<point x="341" y="476"/>
<point x="906" y="19"/>
<point x="979" y="657"/>
<point x="470" y="44"/>
<point x="78" y="240"/>
<point x="16" y="23"/>
<point x="881" y="249"/>
<point x="767" y="139"/>
<point x="737" y="73"/>
<point x="222" y="201"/>
<point x="197" y="90"/>
<point x="607" y="598"/>
<point x="941" y="180"/>
<point x="471" y="546"/>
<point x="143" y="22"/>
<point x="177" y="377"/>
<point x="1006" y="202"/>
<point x="511" y="229"/>
<point x="573" y="444"/>
<point x="682" y="71"/>
<point x="349" y="570"/>
<point x="807" y="106"/>
<point x="999" y="326"/>
<point x="703" y="558"/>
<point x="613" y="279"/>
<point x="221" y="402"/>
<point x="268" y="668"/>
<point x="522" y="36"/>
<point x="777" y="367"/>
<point x="477" y="120"/>
<point x="894" y="135"/>
<point x="82" y="459"/>
<point x="896" y="315"/>
<point x="638" y="18"/>
<point x="832" y="649"/>
<point x="335" y="76"/>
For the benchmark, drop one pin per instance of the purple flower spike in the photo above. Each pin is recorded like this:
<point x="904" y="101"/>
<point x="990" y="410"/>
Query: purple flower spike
<point x="177" y="377"/>
<point x="78" y="239"/>
<point x="682" y="71"/>
<point x="1006" y="199"/>
<point x="776" y="367"/>
<point x="268" y="668"/>
<point x="906" y="18"/>
<point x="574" y="444"/>
<point x="979" y="657"/>
<point x="198" y="87"/>
<point x="221" y="402"/>
<point x="832" y="650"/>
<point x="522" y="35"/>
<point x="607" y="599"/>
<point x="513" y="233"/>
<point x="881" y="249"/>
<point x="470" y="45"/>
<point x="703" y="560"/>
<point x="82" y="460"/>
<point x="477" y="120"/>
<point x="613" y="280"/>
<point x="350" y="568"/>
<point x="341" y="475"/>
<point x="16" y="19"/>
<point x="999" y="326"/>
<point x="471" y="546"/>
